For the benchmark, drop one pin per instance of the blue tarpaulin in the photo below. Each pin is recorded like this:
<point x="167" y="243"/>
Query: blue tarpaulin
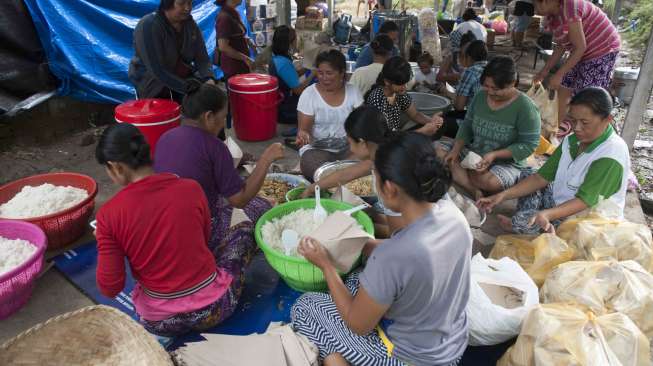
<point x="88" y="43"/>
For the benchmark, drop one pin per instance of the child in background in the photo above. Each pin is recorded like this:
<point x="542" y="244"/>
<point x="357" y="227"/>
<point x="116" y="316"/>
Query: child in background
<point x="425" y="76"/>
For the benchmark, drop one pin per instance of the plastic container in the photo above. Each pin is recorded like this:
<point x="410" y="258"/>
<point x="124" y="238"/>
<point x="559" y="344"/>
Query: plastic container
<point x="297" y="272"/>
<point x="295" y="193"/>
<point x="16" y="285"/>
<point x="66" y="226"/>
<point x="625" y="79"/>
<point x="429" y="104"/>
<point x="254" y="100"/>
<point x="153" y="117"/>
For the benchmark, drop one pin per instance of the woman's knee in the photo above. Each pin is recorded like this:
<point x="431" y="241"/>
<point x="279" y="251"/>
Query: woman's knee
<point x="486" y="181"/>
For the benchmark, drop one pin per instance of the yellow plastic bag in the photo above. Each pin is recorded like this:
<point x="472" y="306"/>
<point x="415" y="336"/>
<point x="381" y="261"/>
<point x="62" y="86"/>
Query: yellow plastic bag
<point x="598" y="236"/>
<point x="569" y="334"/>
<point x="548" y="109"/>
<point x="605" y="287"/>
<point x="537" y="255"/>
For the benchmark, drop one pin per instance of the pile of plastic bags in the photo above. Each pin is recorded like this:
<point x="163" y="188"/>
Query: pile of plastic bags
<point x="596" y="293"/>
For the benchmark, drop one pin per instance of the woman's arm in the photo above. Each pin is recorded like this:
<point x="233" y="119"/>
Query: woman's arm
<point x="360" y="313"/>
<point x="531" y="184"/>
<point x="417" y="116"/>
<point x="343" y="176"/>
<point x="223" y="45"/>
<point x="110" y="272"/>
<point x="460" y="102"/>
<point x="577" y="39"/>
<point x="558" y="51"/>
<point x="305" y="128"/>
<point x="254" y="182"/>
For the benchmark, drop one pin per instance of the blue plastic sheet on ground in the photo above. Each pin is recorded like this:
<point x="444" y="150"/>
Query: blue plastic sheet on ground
<point x="88" y="43"/>
<point x="265" y="298"/>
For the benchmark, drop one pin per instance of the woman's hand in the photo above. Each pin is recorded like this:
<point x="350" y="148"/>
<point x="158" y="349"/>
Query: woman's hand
<point x="249" y="62"/>
<point x="210" y="82"/>
<point x="303" y="138"/>
<point x="540" y="76"/>
<point x="273" y="152"/>
<point x="487" y="161"/>
<point x="314" y="252"/>
<point x="437" y="119"/>
<point x="487" y="204"/>
<point x="555" y="81"/>
<point x="542" y="219"/>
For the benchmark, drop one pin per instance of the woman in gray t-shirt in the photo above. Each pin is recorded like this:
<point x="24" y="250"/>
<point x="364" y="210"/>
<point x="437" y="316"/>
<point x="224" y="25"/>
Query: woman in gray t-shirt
<point x="408" y="304"/>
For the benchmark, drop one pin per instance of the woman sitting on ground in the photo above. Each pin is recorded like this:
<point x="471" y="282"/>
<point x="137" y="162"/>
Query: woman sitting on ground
<point x="366" y="129"/>
<point x="281" y="66"/>
<point x="322" y="110"/>
<point x="408" y="305"/>
<point x="389" y="96"/>
<point x="502" y="125"/>
<point x="169" y="50"/>
<point x="193" y="151"/>
<point x="365" y="77"/>
<point x="590" y="165"/>
<point x="161" y="224"/>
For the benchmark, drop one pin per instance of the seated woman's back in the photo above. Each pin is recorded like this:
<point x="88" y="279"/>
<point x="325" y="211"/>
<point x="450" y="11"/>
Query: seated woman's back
<point x="161" y="223"/>
<point x="427" y="265"/>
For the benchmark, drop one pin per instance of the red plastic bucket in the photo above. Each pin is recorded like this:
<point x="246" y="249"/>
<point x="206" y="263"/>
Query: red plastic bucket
<point x="153" y="117"/>
<point x="254" y="100"/>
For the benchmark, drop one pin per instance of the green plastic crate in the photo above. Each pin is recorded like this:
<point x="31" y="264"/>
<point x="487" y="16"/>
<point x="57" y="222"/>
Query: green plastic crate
<point x="299" y="273"/>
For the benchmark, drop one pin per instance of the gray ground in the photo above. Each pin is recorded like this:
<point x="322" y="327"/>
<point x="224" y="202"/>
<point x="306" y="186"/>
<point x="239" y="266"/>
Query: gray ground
<point x="37" y="142"/>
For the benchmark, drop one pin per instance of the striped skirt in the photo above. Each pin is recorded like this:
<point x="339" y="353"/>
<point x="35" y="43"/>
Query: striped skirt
<point x="315" y="315"/>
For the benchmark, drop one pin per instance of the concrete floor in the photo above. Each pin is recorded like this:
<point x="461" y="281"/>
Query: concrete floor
<point x="54" y="295"/>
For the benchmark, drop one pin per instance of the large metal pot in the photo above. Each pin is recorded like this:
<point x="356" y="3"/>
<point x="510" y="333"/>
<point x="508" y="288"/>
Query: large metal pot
<point x="405" y="23"/>
<point x="329" y="168"/>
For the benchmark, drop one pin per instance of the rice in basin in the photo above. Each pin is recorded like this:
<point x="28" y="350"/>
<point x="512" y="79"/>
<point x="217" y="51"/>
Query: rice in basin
<point x="300" y="221"/>
<point x="13" y="253"/>
<point x="42" y="200"/>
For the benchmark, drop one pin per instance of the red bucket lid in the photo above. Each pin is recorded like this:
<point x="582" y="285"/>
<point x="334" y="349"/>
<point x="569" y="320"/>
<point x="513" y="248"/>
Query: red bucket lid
<point x="147" y="111"/>
<point x="253" y="83"/>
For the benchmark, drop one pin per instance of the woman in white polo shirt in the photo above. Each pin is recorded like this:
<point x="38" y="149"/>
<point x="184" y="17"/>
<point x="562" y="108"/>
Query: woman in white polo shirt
<point x="590" y="165"/>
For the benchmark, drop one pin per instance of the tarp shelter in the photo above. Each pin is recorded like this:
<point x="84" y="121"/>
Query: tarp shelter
<point x="24" y="75"/>
<point x="88" y="43"/>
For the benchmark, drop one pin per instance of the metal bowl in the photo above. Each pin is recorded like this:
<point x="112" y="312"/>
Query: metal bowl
<point x="334" y="166"/>
<point x="429" y="104"/>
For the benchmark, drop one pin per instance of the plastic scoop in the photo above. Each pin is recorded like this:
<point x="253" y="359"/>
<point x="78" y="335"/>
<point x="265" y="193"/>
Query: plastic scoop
<point x="319" y="214"/>
<point x="290" y="240"/>
<point x="352" y="211"/>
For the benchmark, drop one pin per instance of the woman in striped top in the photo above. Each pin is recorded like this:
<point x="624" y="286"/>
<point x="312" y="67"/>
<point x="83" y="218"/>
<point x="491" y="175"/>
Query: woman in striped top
<point x="583" y="29"/>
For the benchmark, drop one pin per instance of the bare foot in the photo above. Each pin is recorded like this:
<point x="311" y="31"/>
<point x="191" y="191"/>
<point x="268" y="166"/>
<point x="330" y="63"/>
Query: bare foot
<point x="505" y="223"/>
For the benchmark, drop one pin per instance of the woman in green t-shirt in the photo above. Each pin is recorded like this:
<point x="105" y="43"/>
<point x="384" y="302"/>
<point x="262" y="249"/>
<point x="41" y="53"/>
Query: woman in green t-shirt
<point x="502" y="125"/>
<point x="588" y="166"/>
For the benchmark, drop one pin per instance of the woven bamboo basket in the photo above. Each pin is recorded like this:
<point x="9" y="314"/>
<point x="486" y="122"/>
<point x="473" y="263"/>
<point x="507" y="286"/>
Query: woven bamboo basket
<point x="94" y="335"/>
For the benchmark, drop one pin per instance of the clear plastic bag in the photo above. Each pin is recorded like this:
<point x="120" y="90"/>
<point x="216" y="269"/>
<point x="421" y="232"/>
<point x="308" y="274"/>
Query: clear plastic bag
<point x="537" y="255"/>
<point x="604" y="287"/>
<point x="599" y="235"/>
<point x="569" y="334"/>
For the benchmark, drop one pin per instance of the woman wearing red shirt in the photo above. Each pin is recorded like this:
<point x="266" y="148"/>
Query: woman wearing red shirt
<point x="161" y="224"/>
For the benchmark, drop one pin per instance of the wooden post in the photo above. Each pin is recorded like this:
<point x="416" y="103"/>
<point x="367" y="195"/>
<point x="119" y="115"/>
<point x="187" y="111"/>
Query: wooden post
<point x="616" y="11"/>
<point x="637" y="108"/>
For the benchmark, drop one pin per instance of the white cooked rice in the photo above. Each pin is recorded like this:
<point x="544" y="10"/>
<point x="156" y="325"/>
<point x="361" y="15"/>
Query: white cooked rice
<point x="13" y="253"/>
<point x="301" y="221"/>
<point x="42" y="200"/>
